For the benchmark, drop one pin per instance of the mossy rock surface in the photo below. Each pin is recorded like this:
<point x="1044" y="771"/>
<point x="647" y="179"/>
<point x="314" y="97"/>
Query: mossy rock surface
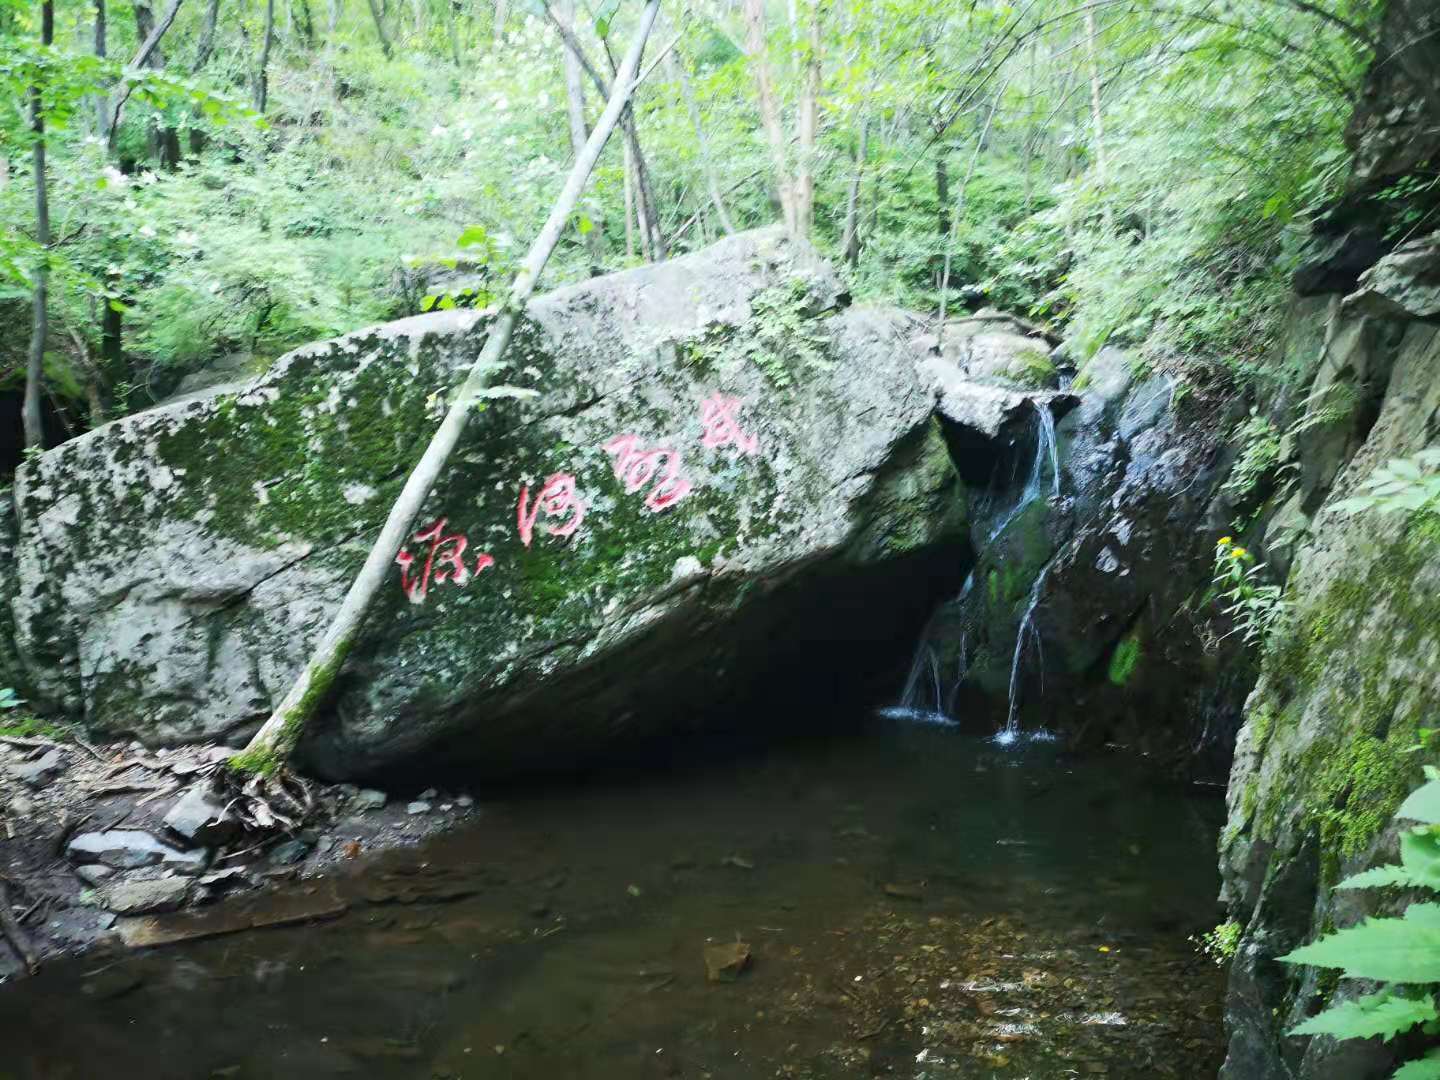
<point x="174" y="568"/>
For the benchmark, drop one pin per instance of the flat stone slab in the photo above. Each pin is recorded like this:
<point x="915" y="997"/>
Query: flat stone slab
<point x="127" y="849"/>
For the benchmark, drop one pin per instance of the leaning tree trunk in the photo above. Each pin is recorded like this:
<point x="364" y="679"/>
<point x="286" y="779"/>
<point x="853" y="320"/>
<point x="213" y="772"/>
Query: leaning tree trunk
<point x="148" y="48"/>
<point x="277" y="738"/>
<point x="807" y="122"/>
<point x="39" y="327"/>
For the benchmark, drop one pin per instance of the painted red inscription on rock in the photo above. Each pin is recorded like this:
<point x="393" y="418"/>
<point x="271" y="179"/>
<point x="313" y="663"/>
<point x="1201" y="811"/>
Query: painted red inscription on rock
<point x="557" y="498"/>
<point x="636" y="466"/>
<point x="444" y="562"/>
<point x="721" y="426"/>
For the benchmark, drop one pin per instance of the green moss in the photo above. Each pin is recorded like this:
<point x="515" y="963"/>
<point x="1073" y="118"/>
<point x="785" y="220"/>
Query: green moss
<point x="1031" y="367"/>
<point x="1352" y="776"/>
<point x="269" y="756"/>
<point x="24" y="725"/>
<point x="1124" y="660"/>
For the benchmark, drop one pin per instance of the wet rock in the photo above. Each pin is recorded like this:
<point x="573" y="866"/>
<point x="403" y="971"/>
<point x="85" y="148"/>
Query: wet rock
<point x="126" y="849"/>
<point x="724" y="963"/>
<point x="200" y="818"/>
<point x="419" y="806"/>
<point x="291" y="851"/>
<point x="20" y="808"/>
<point x="38" y="773"/>
<point x="465" y="802"/>
<point x="912" y="891"/>
<point x="370" y="799"/>
<point x="269" y="910"/>
<point x="94" y="874"/>
<point x="141" y="897"/>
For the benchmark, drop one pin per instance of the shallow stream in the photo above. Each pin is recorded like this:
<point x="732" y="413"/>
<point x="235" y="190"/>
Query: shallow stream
<point x="916" y="903"/>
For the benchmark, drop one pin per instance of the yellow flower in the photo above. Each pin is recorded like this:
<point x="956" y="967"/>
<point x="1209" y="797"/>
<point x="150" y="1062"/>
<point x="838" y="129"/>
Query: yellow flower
<point x="1224" y="541"/>
<point x="1239" y="553"/>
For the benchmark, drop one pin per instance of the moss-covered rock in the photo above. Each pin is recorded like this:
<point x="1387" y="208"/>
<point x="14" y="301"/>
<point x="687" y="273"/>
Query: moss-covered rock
<point x="1325" y="756"/>
<point x="601" y="541"/>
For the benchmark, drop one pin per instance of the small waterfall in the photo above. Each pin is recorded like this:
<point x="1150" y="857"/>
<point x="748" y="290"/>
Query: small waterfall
<point x="940" y="708"/>
<point x="1026" y="632"/>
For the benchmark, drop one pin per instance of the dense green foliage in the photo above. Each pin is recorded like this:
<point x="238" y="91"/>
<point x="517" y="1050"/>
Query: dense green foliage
<point x="1138" y="180"/>
<point x="1403" y="951"/>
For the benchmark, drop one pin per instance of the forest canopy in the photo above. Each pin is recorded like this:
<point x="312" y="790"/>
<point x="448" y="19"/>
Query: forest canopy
<point x="227" y="179"/>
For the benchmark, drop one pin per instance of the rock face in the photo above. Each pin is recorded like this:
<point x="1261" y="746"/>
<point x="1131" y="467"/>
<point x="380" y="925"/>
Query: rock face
<point x="661" y="521"/>
<point x="1322" y="761"/>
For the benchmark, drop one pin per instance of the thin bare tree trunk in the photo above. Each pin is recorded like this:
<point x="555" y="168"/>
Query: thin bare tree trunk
<point x="277" y="738"/>
<point x="143" y="55"/>
<point x="959" y="210"/>
<point x="102" y="116"/>
<point x="1096" y="119"/>
<point x="40" y="324"/>
<point x="575" y="104"/>
<point x="755" y="45"/>
<point x="644" y="194"/>
<point x="850" y="238"/>
<point x="206" y="47"/>
<point x="502" y="12"/>
<point x="380" y="28"/>
<point x="629" y="206"/>
<point x="702" y="145"/>
<point x="807" y="122"/>
<point x="335" y="8"/>
<point x="262" y="67"/>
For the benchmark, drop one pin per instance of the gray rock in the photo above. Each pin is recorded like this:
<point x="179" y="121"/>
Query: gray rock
<point x="38" y="773"/>
<point x="370" y="799"/>
<point x="94" y="874"/>
<point x="20" y="807"/>
<point x="126" y="849"/>
<point x="465" y="802"/>
<point x="1403" y="285"/>
<point x="200" y="818"/>
<point x="291" y="851"/>
<point x="140" y="897"/>
<point x="181" y="560"/>
<point x="418" y="807"/>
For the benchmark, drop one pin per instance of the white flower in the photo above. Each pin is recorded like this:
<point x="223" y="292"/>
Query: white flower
<point x="114" y="177"/>
<point x="438" y="131"/>
<point x="148" y="232"/>
<point x="148" y="177"/>
<point x="545" y="99"/>
<point x="185" y="236"/>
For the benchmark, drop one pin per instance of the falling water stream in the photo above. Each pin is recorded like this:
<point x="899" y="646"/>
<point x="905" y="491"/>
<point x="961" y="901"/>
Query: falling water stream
<point x="938" y="708"/>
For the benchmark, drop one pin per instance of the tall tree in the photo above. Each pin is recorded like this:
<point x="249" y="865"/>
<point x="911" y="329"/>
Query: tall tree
<point x="702" y="144"/>
<point x="262" y="66"/>
<point x="379" y="18"/>
<point x="757" y="45"/>
<point x="40" y="324"/>
<point x="575" y="110"/>
<point x="278" y="736"/>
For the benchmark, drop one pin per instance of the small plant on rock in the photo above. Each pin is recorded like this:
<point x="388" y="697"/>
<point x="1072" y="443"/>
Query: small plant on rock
<point x="1255" y="607"/>
<point x="1402" y="953"/>
<point x="1402" y="485"/>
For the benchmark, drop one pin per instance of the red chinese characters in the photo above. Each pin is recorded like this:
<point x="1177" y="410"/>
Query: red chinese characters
<point x="556" y="498"/>
<point x="444" y="562"/>
<point x="721" y="427"/>
<point x="636" y="466"/>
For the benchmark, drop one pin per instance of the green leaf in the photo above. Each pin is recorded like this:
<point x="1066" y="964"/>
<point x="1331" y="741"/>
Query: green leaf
<point x="1426" y="1068"/>
<point x="1380" y="876"/>
<point x="1387" y="950"/>
<point x="473" y="235"/>
<point x="604" y="17"/>
<point x="1382" y="1015"/>
<point x="585" y="225"/>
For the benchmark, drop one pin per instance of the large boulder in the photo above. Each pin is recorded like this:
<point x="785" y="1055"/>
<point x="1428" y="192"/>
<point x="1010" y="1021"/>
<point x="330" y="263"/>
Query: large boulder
<point x="663" y="531"/>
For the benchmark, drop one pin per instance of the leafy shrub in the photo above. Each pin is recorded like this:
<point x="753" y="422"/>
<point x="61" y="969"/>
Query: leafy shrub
<point x="1403" y="953"/>
<point x="1402" y="485"/>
